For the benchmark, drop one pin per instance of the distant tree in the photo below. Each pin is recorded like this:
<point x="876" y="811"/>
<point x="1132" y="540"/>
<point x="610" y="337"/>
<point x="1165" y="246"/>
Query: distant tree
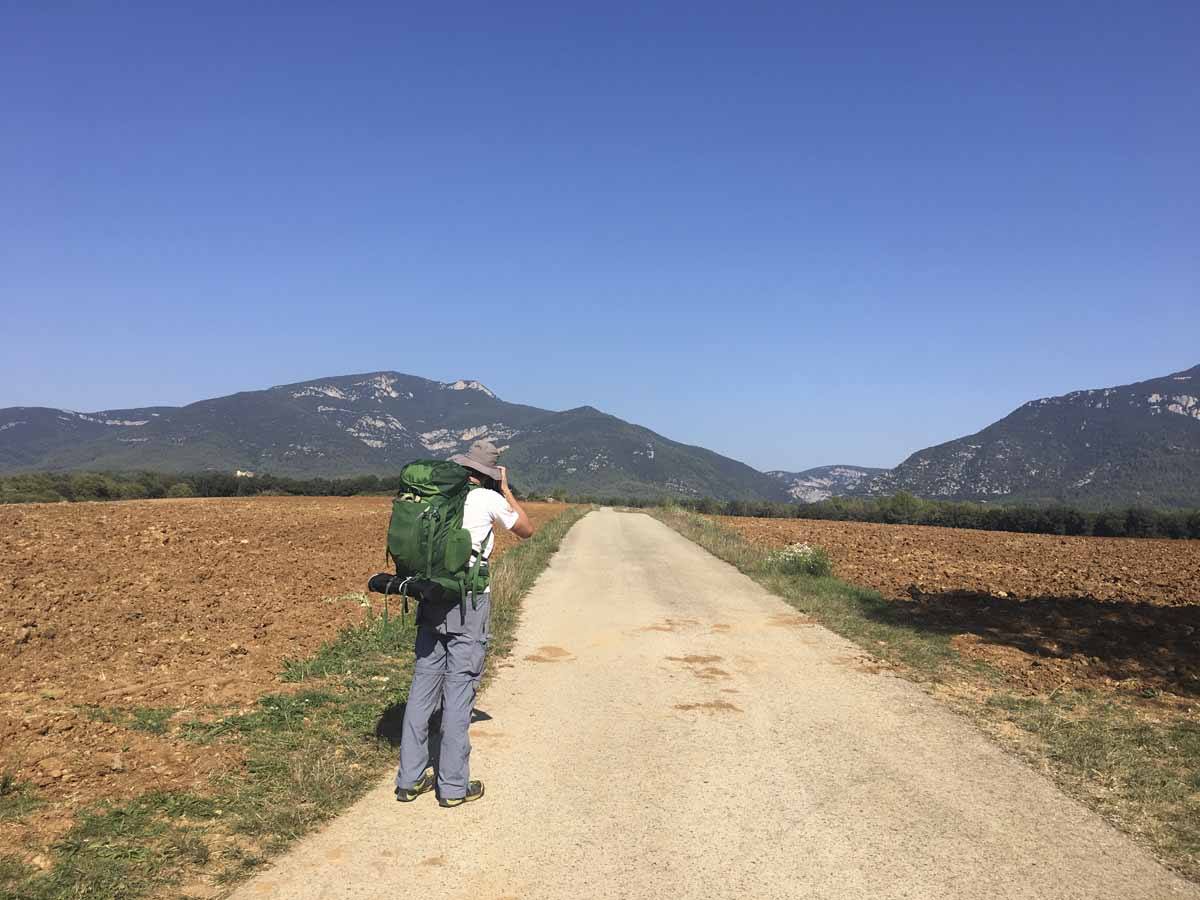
<point x="1193" y="524"/>
<point x="1064" y="520"/>
<point x="1171" y="525"/>
<point x="901" y="509"/>
<point x="215" y="484"/>
<point x="132" y="490"/>
<point x="1139" y="522"/>
<point x="91" y="486"/>
<point x="1109" y="524"/>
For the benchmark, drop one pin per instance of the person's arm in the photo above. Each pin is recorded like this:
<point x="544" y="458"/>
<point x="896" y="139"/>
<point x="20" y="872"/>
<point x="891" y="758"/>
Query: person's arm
<point x="523" y="527"/>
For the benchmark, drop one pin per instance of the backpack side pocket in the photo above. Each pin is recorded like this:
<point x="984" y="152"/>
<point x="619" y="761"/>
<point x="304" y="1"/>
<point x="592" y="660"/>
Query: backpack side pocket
<point x="458" y="550"/>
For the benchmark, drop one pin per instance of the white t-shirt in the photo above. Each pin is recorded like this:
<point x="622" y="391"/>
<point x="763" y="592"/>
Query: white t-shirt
<point x="483" y="510"/>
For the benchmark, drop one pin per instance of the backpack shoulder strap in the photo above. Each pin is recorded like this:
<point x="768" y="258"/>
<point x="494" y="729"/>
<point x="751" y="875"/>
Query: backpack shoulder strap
<point x="473" y="575"/>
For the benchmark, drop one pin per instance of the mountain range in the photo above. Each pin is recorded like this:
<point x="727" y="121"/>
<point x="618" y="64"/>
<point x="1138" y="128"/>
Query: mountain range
<point x="1135" y="444"/>
<point x="374" y="423"/>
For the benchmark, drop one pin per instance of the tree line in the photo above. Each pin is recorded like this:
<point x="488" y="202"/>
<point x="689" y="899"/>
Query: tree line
<point x="54" y="487"/>
<point x="906" y="509"/>
<point x="899" y="509"/>
<point x="57" y="487"/>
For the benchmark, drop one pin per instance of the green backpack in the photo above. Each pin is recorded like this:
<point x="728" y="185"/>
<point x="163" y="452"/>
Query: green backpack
<point x="425" y="537"/>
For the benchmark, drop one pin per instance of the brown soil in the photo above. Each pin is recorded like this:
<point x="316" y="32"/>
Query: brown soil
<point x="165" y="604"/>
<point x="1048" y="611"/>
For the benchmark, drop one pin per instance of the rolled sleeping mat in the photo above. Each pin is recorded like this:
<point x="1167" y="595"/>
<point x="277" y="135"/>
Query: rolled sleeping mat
<point x="384" y="583"/>
<point x="416" y="588"/>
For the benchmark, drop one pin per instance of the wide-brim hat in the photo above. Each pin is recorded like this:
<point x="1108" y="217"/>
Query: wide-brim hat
<point x="480" y="458"/>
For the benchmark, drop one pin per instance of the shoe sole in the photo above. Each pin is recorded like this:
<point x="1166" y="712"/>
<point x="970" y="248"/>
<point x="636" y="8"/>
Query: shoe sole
<point x="459" y="801"/>
<point x="410" y="796"/>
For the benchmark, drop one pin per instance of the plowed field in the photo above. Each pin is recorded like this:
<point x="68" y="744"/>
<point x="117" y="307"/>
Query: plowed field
<point x="128" y="613"/>
<point x="1116" y="613"/>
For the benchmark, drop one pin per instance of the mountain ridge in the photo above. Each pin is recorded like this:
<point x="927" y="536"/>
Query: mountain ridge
<point x="371" y="423"/>
<point x="1134" y="444"/>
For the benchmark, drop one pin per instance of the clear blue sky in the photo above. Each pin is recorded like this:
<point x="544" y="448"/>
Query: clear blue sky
<point x="795" y="235"/>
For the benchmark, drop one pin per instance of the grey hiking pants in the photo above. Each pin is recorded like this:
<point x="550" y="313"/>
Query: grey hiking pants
<point x="448" y="667"/>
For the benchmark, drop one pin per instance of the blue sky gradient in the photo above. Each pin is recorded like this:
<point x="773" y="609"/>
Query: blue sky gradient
<point x="794" y="236"/>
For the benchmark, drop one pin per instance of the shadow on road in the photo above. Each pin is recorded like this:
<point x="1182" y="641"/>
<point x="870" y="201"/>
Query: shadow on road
<point x="391" y="720"/>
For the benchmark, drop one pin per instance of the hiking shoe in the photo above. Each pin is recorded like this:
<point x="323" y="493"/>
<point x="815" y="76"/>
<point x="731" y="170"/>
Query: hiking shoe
<point x="424" y="785"/>
<point x="474" y="792"/>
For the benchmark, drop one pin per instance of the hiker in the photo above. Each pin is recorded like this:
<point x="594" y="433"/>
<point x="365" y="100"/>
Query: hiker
<point x="452" y="638"/>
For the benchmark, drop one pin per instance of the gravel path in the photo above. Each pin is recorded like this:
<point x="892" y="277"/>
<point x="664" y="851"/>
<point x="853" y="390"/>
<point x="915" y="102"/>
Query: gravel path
<point x="666" y="728"/>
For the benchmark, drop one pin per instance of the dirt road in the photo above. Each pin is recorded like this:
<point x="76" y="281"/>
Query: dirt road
<point x="668" y="729"/>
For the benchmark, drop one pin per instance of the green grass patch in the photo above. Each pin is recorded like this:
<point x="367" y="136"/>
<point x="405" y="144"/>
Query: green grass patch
<point x="12" y="870"/>
<point x="238" y="864"/>
<point x="17" y="798"/>
<point x="276" y="713"/>
<point x="1138" y="770"/>
<point x="308" y="754"/>
<point x="379" y="638"/>
<point x="120" y="850"/>
<point x="1135" y="760"/>
<point x="153" y="720"/>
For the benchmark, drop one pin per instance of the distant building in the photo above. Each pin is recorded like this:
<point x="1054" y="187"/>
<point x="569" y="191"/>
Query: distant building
<point x="240" y="474"/>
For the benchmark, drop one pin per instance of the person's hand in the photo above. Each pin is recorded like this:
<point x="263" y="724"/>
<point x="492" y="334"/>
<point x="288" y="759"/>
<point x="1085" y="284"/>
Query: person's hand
<point x="503" y="479"/>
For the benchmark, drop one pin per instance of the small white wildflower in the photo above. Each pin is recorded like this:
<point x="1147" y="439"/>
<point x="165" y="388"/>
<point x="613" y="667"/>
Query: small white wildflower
<point x="799" y="558"/>
<point x="799" y="552"/>
<point x="363" y="600"/>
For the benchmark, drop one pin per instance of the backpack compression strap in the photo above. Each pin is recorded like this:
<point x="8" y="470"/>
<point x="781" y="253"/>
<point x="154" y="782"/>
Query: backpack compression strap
<point x="473" y="574"/>
<point x="432" y="516"/>
<point x="472" y="578"/>
<point x="477" y="565"/>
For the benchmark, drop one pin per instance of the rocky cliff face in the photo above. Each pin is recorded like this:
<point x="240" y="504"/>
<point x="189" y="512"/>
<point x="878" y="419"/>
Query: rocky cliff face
<point x="813" y="485"/>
